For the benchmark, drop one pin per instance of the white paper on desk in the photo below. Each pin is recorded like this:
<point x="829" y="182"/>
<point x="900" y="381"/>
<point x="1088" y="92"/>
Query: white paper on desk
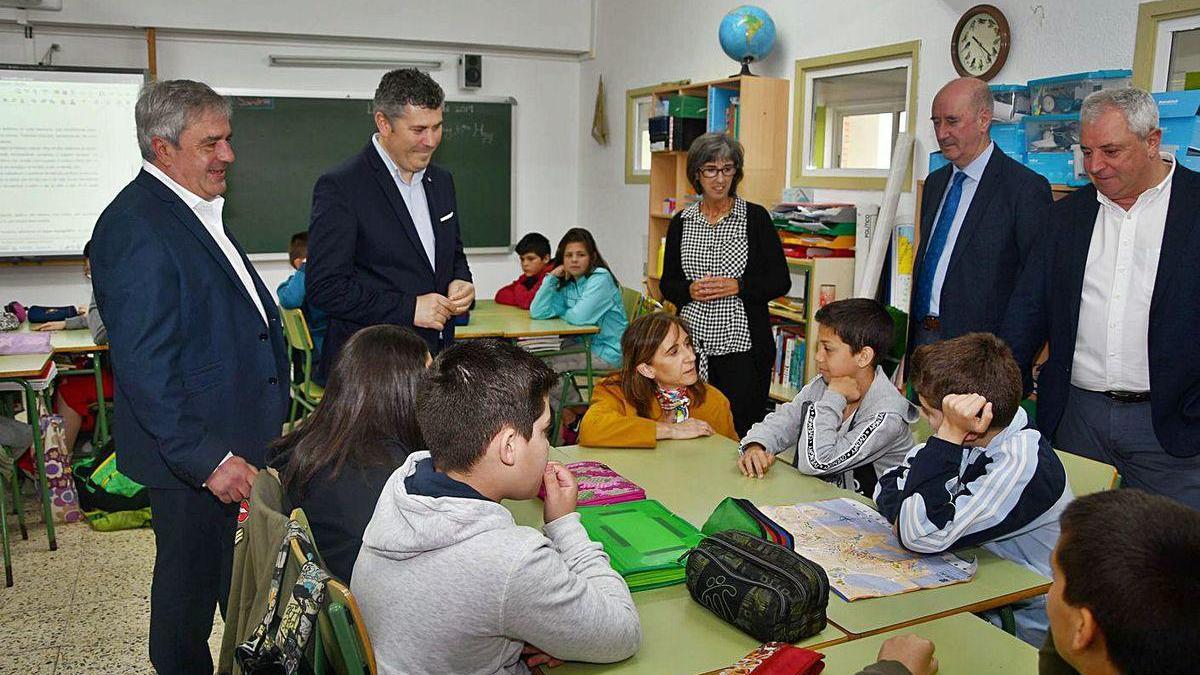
<point x="859" y="552"/>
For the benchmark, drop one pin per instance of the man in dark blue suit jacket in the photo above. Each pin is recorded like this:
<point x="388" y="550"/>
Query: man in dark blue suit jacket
<point x="384" y="244"/>
<point x="199" y="361"/>
<point x="1115" y="289"/>
<point x="964" y="284"/>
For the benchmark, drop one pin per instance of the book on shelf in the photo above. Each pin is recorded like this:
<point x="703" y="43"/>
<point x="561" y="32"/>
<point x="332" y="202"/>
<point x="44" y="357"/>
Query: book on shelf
<point x="790" y="353"/>
<point x="662" y="255"/>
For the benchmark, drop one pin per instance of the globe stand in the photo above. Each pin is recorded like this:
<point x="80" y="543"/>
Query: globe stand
<point x="745" y="68"/>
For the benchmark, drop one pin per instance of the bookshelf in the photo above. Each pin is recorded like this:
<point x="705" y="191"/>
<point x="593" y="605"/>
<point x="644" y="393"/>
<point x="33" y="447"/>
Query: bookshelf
<point x="762" y="120"/>
<point x="812" y="279"/>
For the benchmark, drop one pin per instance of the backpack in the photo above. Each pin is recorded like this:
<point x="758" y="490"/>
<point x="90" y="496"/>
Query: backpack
<point x="102" y="487"/>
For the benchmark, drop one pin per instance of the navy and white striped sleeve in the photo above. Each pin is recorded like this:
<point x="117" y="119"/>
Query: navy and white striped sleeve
<point x="986" y="503"/>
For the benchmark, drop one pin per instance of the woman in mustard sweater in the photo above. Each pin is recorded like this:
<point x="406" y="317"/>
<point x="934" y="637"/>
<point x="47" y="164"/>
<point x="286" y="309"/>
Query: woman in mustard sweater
<point x="658" y="393"/>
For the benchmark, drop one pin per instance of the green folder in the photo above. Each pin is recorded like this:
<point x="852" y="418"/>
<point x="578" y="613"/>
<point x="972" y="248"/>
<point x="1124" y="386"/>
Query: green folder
<point x="643" y="540"/>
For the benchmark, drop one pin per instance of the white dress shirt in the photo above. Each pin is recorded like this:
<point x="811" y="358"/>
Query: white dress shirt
<point x="974" y="172"/>
<point x="413" y="193"/>
<point x="209" y="213"/>
<point x="1111" y="351"/>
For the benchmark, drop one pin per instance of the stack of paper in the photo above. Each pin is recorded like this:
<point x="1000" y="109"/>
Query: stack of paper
<point x="545" y="343"/>
<point x="816" y="230"/>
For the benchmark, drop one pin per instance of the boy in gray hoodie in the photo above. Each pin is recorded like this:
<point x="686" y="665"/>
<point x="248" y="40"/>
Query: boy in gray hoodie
<point x="446" y="580"/>
<point x="849" y="425"/>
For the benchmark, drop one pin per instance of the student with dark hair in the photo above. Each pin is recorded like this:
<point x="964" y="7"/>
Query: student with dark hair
<point x="446" y="581"/>
<point x="534" y="252"/>
<point x="657" y="394"/>
<point x="849" y="424"/>
<point x="1126" y="592"/>
<point x="985" y="478"/>
<point x="335" y="464"/>
<point x="584" y="291"/>
<point x="291" y="294"/>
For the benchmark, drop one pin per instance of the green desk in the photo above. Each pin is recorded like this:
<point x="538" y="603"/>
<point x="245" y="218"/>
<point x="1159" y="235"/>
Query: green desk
<point x="19" y="369"/>
<point x="678" y="635"/>
<point x="963" y="645"/>
<point x="691" y="477"/>
<point x="80" y="341"/>
<point x="490" y="319"/>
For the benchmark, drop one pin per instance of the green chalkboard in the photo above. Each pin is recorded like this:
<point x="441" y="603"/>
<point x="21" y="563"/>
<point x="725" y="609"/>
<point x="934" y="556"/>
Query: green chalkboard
<point x="283" y="144"/>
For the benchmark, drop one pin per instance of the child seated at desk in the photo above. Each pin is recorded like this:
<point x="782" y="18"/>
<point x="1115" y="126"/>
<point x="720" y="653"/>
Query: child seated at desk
<point x="75" y="396"/>
<point x="292" y="295"/>
<point x="447" y="582"/>
<point x="583" y="292"/>
<point x="986" y="477"/>
<point x="849" y="424"/>
<point x="657" y="393"/>
<point x="335" y="464"/>
<point x="534" y="251"/>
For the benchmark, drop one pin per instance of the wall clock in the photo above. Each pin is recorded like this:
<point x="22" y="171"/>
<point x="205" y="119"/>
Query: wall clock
<point x="979" y="45"/>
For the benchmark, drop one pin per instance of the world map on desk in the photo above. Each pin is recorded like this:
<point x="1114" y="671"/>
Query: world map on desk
<point x="859" y="551"/>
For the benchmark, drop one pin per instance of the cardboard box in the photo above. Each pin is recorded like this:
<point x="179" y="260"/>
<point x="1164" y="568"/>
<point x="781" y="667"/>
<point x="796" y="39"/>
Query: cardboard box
<point x="1178" y="116"/>
<point x="1065" y="93"/>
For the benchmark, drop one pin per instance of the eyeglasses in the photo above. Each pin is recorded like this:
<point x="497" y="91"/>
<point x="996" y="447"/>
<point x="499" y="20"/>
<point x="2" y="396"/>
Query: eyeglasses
<point x="712" y="171"/>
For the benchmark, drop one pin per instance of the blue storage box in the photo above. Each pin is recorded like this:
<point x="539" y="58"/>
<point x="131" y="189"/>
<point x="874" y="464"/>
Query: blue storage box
<point x="1057" y="167"/>
<point x="937" y="160"/>
<point x="1051" y="133"/>
<point x="1177" y="115"/>
<point x="1011" y="101"/>
<point x="1009" y="137"/>
<point x="1065" y="93"/>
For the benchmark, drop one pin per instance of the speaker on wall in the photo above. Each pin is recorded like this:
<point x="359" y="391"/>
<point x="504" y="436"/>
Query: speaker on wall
<point x="470" y="71"/>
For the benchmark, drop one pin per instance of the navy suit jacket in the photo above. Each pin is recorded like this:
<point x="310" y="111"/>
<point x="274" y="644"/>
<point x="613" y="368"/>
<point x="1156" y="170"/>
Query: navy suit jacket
<point x="197" y="373"/>
<point x="1046" y="306"/>
<point x="1007" y="215"/>
<point x="366" y="264"/>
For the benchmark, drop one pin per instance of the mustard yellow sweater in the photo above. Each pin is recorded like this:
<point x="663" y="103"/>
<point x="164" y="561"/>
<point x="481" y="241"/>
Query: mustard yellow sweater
<point x="613" y="422"/>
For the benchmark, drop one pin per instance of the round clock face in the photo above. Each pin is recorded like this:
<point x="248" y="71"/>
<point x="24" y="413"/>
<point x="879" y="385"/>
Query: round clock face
<point x="978" y="44"/>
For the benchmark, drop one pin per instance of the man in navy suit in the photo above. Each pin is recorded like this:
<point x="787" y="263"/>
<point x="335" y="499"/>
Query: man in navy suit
<point x="199" y="361"/>
<point x="1115" y="289"/>
<point x="384" y="243"/>
<point x="980" y="218"/>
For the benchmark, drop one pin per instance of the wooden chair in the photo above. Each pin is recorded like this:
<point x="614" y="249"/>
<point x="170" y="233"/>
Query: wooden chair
<point x="305" y="394"/>
<point x="342" y="644"/>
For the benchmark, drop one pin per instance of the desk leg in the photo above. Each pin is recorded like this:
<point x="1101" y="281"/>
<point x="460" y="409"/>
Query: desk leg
<point x="101" y="435"/>
<point x="39" y="456"/>
<point x="587" y="348"/>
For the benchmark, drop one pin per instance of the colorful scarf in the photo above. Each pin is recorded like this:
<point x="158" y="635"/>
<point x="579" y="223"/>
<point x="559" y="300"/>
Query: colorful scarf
<point x="674" y="403"/>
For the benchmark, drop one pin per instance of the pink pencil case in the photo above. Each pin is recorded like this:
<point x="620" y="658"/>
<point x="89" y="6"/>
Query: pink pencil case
<point x="599" y="484"/>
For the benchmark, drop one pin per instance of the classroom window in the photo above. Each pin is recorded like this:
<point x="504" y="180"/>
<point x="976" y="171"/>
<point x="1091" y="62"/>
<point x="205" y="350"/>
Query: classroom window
<point x="1167" y="47"/>
<point x="850" y="109"/>
<point x="639" y="106"/>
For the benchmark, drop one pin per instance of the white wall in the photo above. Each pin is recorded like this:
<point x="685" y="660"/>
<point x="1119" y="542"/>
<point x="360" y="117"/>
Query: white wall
<point x="642" y="43"/>
<point x="544" y="82"/>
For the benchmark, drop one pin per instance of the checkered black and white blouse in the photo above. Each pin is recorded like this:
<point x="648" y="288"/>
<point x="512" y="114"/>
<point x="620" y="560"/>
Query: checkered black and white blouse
<point x="717" y="327"/>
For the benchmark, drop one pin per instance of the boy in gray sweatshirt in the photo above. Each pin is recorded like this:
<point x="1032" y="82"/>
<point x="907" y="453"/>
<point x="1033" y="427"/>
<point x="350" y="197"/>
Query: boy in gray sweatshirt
<point x="849" y="425"/>
<point x="446" y="580"/>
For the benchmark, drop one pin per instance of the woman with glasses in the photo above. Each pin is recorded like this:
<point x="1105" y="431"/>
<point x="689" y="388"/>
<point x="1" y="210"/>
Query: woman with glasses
<point x="722" y="264"/>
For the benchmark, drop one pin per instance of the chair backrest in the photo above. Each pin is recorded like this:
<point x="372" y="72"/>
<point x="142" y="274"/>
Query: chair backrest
<point x="342" y="639"/>
<point x="295" y="329"/>
<point x="631" y="300"/>
<point x="1086" y="476"/>
<point x="891" y="361"/>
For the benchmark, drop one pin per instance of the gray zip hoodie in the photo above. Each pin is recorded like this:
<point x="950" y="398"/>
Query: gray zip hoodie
<point x="877" y="433"/>
<point x="452" y="584"/>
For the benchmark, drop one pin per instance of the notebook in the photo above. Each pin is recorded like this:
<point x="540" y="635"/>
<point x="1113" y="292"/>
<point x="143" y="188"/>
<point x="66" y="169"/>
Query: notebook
<point x="643" y="540"/>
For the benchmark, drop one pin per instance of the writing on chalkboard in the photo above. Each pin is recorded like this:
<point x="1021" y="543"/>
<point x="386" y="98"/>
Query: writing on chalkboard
<point x="471" y="130"/>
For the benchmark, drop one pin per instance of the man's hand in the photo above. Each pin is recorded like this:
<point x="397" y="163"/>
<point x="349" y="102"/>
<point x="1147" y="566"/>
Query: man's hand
<point x="965" y="417"/>
<point x="689" y="428"/>
<point x="462" y="294"/>
<point x="561" y="492"/>
<point x="713" y="288"/>
<point x="846" y="386"/>
<point x="51" y="325"/>
<point x="536" y="657"/>
<point x="916" y="653"/>
<point x="433" y="310"/>
<point x="755" y="461"/>
<point x="231" y="482"/>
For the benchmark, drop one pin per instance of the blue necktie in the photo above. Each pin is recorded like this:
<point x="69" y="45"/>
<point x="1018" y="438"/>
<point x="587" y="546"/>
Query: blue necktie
<point x="937" y="245"/>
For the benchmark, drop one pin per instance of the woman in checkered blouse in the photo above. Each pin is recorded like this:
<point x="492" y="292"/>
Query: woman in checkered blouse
<point x="722" y="264"/>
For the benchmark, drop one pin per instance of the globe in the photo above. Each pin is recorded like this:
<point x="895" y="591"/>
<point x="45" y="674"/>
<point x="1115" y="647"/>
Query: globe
<point x="747" y="33"/>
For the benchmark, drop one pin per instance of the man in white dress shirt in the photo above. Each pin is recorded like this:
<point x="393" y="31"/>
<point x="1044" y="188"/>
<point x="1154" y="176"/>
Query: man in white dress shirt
<point x="199" y="362"/>
<point x="1115" y="289"/>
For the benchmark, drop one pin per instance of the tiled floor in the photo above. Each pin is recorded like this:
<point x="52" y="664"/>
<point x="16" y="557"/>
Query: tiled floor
<point x="84" y="608"/>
